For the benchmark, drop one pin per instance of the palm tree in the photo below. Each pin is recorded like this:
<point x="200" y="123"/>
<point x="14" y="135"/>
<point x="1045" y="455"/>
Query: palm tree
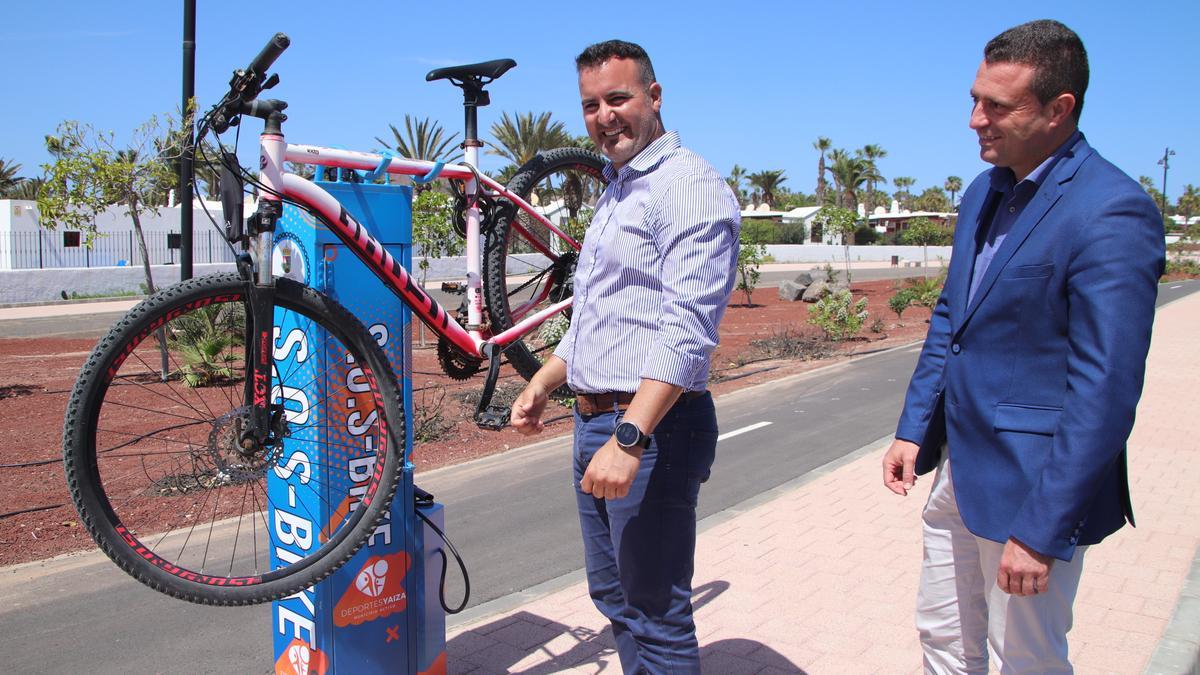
<point x="1147" y="184"/>
<point x="821" y="145"/>
<point x="736" y="175"/>
<point x="953" y="185"/>
<point x="903" y="183"/>
<point x="26" y="189"/>
<point x="869" y="153"/>
<point x="767" y="183"/>
<point x="850" y="174"/>
<point x="521" y="139"/>
<point x="423" y="139"/>
<point x="9" y="180"/>
<point x="1189" y="203"/>
<point x="836" y="156"/>
<point x="584" y="142"/>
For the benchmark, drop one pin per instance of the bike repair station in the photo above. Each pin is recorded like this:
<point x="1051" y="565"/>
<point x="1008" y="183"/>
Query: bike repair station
<point x="381" y="612"/>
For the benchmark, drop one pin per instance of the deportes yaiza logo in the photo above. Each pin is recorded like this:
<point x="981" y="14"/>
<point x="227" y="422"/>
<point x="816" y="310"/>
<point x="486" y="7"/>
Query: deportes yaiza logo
<point x="377" y="591"/>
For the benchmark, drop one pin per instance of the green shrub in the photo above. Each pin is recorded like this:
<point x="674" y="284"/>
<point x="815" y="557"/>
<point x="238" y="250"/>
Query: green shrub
<point x="791" y="233"/>
<point x="207" y="341"/>
<point x="838" y="315"/>
<point x="751" y="255"/>
<point x="926" y="290"/>
<point x="758" y="231"/>
<point x="902" y="300"/>
<point x="865" y="236"/>
<point x="1183" y="266"/>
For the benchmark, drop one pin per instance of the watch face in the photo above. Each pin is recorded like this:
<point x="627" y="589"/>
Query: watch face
<point x="628" y="434"/>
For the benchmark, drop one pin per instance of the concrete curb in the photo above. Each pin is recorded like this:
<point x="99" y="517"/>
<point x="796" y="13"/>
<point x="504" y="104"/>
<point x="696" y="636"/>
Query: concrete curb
<point x="1178" y="652"/>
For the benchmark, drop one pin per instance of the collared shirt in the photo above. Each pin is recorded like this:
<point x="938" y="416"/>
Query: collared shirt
<point x="655" y="274"/>
<point x="1010" y="203"/>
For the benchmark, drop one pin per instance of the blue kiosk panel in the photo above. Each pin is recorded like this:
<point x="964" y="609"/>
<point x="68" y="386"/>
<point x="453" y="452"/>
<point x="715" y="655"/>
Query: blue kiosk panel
<point x="375" y="614"/>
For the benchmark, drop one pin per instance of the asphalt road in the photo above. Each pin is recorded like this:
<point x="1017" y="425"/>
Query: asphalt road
<point x="510" y="515"/>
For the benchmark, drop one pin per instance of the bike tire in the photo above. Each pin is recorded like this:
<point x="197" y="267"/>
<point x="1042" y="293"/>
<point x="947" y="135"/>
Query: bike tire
<point x="151" y="464"/>
<point x="504" y="242"/>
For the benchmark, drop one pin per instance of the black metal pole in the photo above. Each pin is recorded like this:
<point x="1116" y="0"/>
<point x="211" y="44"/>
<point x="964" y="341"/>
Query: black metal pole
<point x="185" y="161"/>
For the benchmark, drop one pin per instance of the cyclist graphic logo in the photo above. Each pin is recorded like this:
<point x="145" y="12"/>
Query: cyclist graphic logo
<point x="370" y="580"/>
<point x="300" y="659"/>
<point x="289" y="259"/>
<point x="377" y="591"/>
<point x="298" y="656"/>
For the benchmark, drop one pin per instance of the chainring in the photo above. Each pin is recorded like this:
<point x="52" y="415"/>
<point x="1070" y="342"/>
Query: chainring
<point x="455" y="364"/>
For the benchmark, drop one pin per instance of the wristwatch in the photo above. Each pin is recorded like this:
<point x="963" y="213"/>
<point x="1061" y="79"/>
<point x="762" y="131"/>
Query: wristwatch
<point x="629" y="436"/>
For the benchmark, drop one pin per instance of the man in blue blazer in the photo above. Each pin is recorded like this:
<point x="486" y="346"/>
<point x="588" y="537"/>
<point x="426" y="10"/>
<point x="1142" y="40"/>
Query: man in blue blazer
<point x="1025" y="391"/>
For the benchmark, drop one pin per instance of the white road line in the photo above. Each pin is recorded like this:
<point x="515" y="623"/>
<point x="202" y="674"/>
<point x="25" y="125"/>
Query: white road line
<point x="1174" y="287"/>
<point x="739" y="432"/>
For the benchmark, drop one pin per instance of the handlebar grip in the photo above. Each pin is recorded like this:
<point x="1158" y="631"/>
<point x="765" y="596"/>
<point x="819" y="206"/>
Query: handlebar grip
<point x="269" y="53"/>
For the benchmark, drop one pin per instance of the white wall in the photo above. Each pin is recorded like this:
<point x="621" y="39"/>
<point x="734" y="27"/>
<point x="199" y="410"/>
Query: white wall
<point x="49" y="285"/>
<point x="819" y="253"/>
<point x="20" y="241"/>
<point x="21" y="215"/>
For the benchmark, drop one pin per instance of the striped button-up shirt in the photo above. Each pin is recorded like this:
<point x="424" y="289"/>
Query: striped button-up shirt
<point x="654" y="275"/>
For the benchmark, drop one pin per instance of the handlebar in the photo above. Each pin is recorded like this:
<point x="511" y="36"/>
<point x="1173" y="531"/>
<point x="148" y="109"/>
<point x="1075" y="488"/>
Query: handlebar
<point x="245" y="86"/>
<point x="269" y="53"/>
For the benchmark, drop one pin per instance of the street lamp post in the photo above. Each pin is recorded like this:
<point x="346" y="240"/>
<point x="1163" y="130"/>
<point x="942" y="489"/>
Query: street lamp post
<point x="1165" y="164"/>
<point x="186" y="169"/>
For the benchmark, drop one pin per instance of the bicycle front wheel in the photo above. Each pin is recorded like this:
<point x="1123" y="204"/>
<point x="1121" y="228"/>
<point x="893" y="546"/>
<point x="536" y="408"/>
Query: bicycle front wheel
<point x="163" y="480"/>
<point x="527" y="266"/>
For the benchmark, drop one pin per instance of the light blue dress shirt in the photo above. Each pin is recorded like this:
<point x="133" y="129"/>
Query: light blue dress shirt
<point x="655" y="274"/>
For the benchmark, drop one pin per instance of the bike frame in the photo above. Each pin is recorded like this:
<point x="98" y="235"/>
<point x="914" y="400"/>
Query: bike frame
<point x="470" y="340"/>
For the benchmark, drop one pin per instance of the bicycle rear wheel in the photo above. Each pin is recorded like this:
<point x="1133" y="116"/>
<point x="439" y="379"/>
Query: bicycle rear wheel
<point x="158" y="474"/>
<point x="528" y="267"/>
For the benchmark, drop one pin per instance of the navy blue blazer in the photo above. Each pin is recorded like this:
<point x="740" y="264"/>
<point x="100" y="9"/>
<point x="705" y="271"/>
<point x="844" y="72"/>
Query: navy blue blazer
<point x="1033" y="385"/>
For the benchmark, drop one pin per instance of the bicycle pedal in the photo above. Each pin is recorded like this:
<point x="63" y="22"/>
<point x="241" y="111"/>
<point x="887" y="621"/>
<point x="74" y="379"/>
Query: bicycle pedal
<point x="494" y="418"/>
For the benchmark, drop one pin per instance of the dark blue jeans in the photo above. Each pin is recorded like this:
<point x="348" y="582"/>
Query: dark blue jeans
<point x="639" y="549"/>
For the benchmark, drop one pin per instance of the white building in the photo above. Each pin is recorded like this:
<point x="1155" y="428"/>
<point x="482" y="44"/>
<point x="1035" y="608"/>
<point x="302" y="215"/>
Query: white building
<point x="801" y="215"/>
<point x="24" y="244"/>
<point x="896" y="220"/>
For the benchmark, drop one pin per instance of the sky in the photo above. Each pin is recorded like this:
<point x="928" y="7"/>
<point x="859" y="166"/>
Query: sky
<point x="749" y="82"/>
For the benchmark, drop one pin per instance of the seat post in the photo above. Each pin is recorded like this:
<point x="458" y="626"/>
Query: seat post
<point x="474" y="98"/>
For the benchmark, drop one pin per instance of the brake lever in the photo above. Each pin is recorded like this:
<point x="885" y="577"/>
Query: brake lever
<point x="271" y="81"/>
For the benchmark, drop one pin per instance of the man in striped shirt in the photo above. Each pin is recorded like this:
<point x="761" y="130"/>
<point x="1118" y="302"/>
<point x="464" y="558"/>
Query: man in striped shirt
<point x="651" y="286"/>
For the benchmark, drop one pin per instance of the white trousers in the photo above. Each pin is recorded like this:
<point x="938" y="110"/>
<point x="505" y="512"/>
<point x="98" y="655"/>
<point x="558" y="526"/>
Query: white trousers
<point x="962" y="615"/>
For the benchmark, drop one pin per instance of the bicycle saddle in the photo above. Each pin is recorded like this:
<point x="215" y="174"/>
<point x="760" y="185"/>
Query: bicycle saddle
<point x="488" y="69"/>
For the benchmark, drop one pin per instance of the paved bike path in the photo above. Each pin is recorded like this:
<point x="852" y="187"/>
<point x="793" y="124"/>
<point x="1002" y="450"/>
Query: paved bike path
<point x="820" y="575"/>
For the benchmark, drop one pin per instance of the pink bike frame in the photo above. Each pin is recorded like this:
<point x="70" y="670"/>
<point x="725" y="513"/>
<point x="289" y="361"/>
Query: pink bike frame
<point x="275" y="150"/>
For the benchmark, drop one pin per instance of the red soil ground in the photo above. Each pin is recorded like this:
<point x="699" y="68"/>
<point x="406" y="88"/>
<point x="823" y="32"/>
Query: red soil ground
<point x="36" y="376"/>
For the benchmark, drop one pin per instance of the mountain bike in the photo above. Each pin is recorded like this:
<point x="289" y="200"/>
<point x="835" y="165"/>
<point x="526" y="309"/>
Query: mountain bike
<point x="197" y="395"/>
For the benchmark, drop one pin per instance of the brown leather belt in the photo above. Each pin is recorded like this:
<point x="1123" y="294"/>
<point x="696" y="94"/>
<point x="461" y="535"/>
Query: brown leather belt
<point x="593" y="404"/>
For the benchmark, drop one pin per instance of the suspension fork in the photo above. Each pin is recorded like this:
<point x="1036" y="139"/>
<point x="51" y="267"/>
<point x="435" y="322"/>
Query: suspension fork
<point x="260" y="284"/>
<point x="260" y="322"/>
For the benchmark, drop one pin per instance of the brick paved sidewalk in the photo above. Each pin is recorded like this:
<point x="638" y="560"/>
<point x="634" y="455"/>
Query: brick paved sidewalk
<point x="822" y="577"/>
